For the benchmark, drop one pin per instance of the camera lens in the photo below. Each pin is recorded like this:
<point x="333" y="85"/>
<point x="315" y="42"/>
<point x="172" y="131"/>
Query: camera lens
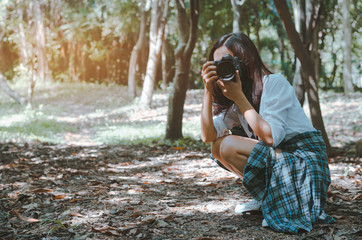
<point x="226" y="71"/>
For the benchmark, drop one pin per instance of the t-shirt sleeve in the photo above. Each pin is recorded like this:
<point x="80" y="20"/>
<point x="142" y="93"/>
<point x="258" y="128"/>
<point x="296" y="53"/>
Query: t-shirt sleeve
<point x="225" y="121"/>
<point x="277" y="99"/>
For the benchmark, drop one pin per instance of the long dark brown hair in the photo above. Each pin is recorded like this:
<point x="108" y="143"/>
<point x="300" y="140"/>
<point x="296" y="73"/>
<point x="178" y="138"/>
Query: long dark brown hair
<point x="252" y="79"/>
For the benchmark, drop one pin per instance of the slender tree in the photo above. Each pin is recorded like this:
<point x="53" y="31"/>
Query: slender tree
<point x="144" y="7"/>
<point x="42" y="62"/>
<point x="159" y="14"/>
<point x="164" y="62"/>
<point x="299" y="78"/>
<point x="187" y="31"/>
<point x="23" y="44"/>
<point x="236" y="4"/>
<point x="308" y="67"/>
<point x="347" y="53"/>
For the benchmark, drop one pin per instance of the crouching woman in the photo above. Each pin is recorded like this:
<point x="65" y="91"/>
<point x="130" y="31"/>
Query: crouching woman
<point x="280" y="155"/>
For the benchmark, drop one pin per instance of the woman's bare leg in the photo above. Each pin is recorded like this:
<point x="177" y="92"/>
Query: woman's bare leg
<point x="233" y="152"/>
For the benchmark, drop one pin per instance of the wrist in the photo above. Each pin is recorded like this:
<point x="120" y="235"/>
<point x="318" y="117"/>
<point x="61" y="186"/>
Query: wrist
<point x="243" y="104"/>
<point x="209" y="89"/>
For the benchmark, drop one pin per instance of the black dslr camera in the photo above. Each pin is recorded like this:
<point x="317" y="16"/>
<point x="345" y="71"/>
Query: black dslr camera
<point x="226" y="67"/>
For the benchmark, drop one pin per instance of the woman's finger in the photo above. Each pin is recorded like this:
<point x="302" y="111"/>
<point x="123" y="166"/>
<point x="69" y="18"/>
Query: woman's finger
<point x="210" y="74"/>
<point x="237" y="76"/>
<point x="221" y="85"/>
<point x="207" y="64"/>
<point x="209" y="69"/>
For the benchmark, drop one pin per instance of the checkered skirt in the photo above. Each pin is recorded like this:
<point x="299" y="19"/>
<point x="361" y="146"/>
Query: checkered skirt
<point x="293" y="188"/>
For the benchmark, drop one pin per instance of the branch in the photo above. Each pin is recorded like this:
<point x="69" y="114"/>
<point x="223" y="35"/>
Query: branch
<point x="193" y="29"/>
<point x="294" y="36"/>
<point x="182" y="26"/>
<point x="14" y="95"/>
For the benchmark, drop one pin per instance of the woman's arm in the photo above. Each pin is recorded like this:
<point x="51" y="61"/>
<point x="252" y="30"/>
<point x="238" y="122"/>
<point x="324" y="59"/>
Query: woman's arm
<point x="208" y="132"/>
<point x="260" y="127"/>
<point x="233" y="91"/>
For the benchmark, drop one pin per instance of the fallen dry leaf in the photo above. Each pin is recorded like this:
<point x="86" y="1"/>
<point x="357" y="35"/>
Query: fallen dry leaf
<point x="178" y="148"/>
<point x="8" y="166"/>
<point x="148" y="219"/>
<point x="76" y="200"/>
<point x="113" y="233"/>
<point x="210" y="185"/>
<point x="102" y="229"/>
<point x="25" y="219"/>
<point x="42" y="190"/>
<point x="357" y="197"/>
<point x="136" y="214"/>
<point x="57" y="197"/>
<point x="75" y="214"/>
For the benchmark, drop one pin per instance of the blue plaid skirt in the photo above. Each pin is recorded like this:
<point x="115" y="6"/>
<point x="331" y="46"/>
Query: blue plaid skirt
<point x="293" y="188"/>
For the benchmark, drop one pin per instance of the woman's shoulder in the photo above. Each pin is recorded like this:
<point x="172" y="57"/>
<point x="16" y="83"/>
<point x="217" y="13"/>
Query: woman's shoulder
<point x="276" y="84"/>
<point x="275" y="80"/>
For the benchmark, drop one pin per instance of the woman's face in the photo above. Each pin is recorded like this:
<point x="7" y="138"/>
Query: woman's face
<point x="220" y="52"/>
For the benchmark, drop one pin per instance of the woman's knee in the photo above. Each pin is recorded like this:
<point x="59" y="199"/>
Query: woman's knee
<point x="229" y="146"/>
<point x="223" y="149"/>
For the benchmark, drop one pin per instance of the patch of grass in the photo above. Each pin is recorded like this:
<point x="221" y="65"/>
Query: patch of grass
<point x="100" y="113"/>
<point x="43" y="129"/>
<point x="130" y="133"/>
<point x="57" y="109"/>
<point x="192" y="128"/>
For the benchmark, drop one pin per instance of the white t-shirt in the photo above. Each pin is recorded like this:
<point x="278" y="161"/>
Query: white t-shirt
<point x="279" y="106"/>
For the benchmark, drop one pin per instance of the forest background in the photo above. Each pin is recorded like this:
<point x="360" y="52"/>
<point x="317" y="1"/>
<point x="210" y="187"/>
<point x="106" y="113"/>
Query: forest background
<point x="113" y="79"/>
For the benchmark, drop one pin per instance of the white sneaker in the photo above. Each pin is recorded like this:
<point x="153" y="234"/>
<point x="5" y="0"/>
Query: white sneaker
<point x="264" y="223"/>
<point x="249" y="206"/>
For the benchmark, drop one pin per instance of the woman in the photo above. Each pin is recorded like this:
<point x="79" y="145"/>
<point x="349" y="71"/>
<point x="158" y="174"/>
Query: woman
<point x="281" y="156"/>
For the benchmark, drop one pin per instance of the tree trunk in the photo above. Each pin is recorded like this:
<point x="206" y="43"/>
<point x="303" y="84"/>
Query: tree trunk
<point x="136" y="52"/>
<point x="308" y="67"/>
<point x="22" y="40"/>
<point x="72" y="68"/>
<point x="40" y="42"/>
<point x="236" y="4"/>
<point x="299" y="79"/>
<point x="257" y="28"/>
<point x="164" y="67"/>
<point x="159" y="14"/>
<point x="347" y="53"/>
<point x="24" y="46"/>
<point x="187" y="40"/>
<point x="298" y="82"/>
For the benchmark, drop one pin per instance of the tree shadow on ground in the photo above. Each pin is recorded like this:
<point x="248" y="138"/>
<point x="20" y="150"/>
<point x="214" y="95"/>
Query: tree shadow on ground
<point x="140" y="192"/>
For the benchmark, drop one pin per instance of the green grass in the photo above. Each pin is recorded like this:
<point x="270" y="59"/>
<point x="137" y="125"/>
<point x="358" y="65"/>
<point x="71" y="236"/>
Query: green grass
<point x="84" y="113"/>
<point x="88" y="113"/>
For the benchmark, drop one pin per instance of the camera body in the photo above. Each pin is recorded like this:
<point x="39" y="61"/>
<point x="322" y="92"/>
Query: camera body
<point x="227" y="66"/>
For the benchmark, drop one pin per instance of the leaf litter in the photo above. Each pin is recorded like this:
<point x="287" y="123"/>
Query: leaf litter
<point x="155" y="191"/>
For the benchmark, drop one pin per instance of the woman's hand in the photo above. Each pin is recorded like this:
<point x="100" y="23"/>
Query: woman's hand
<point x="209" y="75"/>
<point x="208" y="132"/>
<point x="232" y="89"/>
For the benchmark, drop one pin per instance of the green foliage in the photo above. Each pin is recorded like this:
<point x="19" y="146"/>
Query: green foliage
<point x="92" y="40"/>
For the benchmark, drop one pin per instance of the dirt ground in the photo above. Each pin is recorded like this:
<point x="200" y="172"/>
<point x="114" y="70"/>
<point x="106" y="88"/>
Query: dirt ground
<point x="147" y="192"/>
<point x="158" y="191"/>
